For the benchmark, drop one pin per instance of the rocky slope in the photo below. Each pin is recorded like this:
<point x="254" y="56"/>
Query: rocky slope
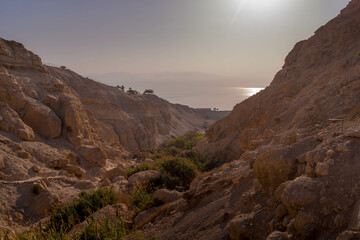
<point x="66" y="133"/>
<point x="294" y="169"/>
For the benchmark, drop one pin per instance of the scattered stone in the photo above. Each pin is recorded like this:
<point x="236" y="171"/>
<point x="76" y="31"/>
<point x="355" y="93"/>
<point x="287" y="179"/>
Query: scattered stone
<point x="142" y="178"/>
<point x="93" y="154"/>
<point x="277" y="235"/>
<point x="354" y="133"/>
<point x="105" y="182"/>
<point x="118" y="179"/>
<point x="33" y="94"/>
<point x="84" y="184"/>
<point x="330" y="153"/>
<point x="76" y="170"/>
<point x="257" y="207"/>
<point x="342" y="148"/>
<point x="349" y="235"/>
<point x="165" y="195"/>
<point x="331" y="162"/>
<point x="36" y="168"/>
<point x="115" y="172"/>
<point x="322" y="169"/>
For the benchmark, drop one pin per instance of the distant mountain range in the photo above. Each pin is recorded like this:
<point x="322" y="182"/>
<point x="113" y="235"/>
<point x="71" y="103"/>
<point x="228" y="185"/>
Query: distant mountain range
<point x="195" y="89"/>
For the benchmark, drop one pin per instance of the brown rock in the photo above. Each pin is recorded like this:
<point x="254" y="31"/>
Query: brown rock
<point x="33" y="94"/>
<point x="297" y="193"/>
<point x="11" y="122"/>
<point x="47" y="154"/>
<point x="43" y="120"/>
<point x="165" y="195"/>
<point x="322" y="169"/>
<point x="105" y="182"/>
<point x="93" y="154"/>
<point x="2" y="162"/>
<point x="76" y="170"/>
<point x="342" y="148"/>
<point x="84" y="184"/>
<point x="277" y="235"/>
<point x="142" y="178"/>
<point x="44" y="202"/>
<point x="115" y="172"/>
<point x="349" y="235"/>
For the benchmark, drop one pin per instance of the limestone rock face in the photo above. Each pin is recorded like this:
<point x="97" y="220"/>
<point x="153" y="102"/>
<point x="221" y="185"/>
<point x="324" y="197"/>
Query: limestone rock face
<point x="317" y="82"/>
<point x="10" y="121"/>
<point x="43" y="120"/>
<point x="52" y="157"/>
<point x="14" y="55"/>
<point x="288" y="169"/>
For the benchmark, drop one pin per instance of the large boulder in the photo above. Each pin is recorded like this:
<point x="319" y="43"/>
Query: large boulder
<point x="93" y="154"/>
<point x="142" y="178"/>
<point x="11" y="122"/>
<point x="43" y="120"/>
<point x="115" y="172"/>
<point x="165" y="195"/>
<point x="76" y="170"/>
<point x="297" y="193"/>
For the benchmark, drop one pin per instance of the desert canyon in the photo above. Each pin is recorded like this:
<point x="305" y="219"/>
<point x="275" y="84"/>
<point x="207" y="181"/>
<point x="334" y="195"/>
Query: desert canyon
<point x="287" y="159"/>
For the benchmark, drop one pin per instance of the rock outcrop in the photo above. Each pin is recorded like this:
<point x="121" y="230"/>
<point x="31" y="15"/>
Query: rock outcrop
<point x="293" y="151"/>
<point x="69" y="133"/>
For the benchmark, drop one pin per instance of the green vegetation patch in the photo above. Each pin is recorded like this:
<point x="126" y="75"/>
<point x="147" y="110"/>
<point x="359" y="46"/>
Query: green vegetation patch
<point x="64" y="218"/>
<point x="105" y="230"/>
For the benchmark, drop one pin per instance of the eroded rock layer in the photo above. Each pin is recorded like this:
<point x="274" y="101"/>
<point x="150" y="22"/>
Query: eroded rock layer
<point x="293" y="152"/>
<point x="64" y="133"/>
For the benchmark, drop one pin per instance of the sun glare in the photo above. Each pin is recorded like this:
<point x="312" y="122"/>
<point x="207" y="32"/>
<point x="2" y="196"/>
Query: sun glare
<point x="258" y="6"/>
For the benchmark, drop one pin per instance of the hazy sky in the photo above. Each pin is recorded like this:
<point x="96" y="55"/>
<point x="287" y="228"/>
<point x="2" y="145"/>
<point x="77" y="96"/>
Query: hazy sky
<point x="247" y="39"/>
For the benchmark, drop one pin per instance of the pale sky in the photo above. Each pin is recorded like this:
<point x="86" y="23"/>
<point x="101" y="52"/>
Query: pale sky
<point x="245" y="39"/>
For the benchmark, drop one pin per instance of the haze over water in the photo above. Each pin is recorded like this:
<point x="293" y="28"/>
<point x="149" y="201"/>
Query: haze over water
<point x="198" y="90"/>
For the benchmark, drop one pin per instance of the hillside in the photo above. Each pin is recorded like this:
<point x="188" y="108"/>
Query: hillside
<point x="291" y="168"/>
<point x="67" y="133"/>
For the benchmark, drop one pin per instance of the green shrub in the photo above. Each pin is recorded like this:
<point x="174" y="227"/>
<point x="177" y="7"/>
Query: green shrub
<point x="203" y="163"/>
<point x="185" y="142"/>
<point x="65" y="217"/>
<point x="104" y="230"/>
<point x="141" y="199"/>
<point x="138" y="168"/>
<point x="179" y="172"/>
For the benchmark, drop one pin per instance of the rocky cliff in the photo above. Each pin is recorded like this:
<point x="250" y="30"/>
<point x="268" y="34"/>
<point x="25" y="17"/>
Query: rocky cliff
<point x="66" y="133"/>
<point x="293" y="151"/>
